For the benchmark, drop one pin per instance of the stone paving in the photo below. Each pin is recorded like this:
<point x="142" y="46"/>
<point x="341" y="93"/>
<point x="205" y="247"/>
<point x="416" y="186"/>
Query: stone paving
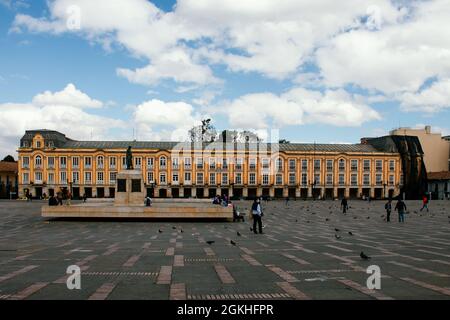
<point x="300" y="256"/>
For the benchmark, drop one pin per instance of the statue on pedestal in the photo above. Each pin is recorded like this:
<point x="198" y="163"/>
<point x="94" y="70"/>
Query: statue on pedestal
<point x="129" y="159"/>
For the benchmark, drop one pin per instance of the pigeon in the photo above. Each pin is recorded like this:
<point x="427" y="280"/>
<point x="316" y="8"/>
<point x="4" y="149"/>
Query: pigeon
<point x="382" y="216"/>
<point x="364" y="256"/>
<point x="296" y="220"/>
<point x="307" y="221"/>
<point x="327" y="219"/>
<point x="251" y="229"/>
<point x="355" y="217"/>
<point x="238" y="233"/>
<point x="232" y="242"/>
<point x="336" y="229"/>
<point x="159" y="230"/>
<point x="368" y="217"/>
<point x="174" y="228"/>
<point x="350" y="233"/>
<point x="210" y="242"/>
<point x="337" y="237"/>
<point x="181" y="231"/>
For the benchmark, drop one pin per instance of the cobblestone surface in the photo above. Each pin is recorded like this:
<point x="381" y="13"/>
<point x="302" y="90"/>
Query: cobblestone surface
<point x="299" y="256"/>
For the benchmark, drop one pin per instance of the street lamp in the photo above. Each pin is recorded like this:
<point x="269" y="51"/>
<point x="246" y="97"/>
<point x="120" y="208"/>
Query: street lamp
<point x="384" y="190"/>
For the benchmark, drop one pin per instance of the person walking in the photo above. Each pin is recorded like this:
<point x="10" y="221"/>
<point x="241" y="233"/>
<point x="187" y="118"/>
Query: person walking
<point x="59" y="196"/>
<point x="425" y="203"/>
<point x="287" y="201"/>
<point x="401" y="208"/>
<point x="344" y="205"/>
<point x="257" y="216"/>
<point x="84" y="197"/>
<point x="388" y="208"/>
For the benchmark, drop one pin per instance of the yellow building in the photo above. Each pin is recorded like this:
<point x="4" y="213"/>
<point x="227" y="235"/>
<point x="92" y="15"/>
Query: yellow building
<point x="49" y="162"/>
<point x="8" y="180"/>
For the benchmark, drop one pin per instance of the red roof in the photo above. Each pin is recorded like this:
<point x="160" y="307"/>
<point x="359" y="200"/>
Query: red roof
<point x="443" y="175"/>
<point x="8" y="166"/>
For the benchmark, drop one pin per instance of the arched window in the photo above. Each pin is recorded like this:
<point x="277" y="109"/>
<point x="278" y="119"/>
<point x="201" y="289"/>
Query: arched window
<point x="38" y="161"/>
<point x="162" y="162"/>
<point x="341" y="164"/>
<point x="100" y="161"/>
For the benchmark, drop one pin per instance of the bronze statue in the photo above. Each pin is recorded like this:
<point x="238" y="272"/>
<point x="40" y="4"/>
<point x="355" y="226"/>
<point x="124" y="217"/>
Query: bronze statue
<point x="129" y="159"/>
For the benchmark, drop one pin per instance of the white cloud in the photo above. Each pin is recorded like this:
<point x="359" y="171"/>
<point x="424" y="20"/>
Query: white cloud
<point x="54" y="111"/>
<point x="432" y="99"/>
<point x="69" y="96"/>
<point x="296" y="107"/>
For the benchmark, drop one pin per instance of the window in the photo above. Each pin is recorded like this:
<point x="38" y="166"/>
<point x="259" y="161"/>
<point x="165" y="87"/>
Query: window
<point x="112" y="162"/>
<point x="391" y="180"/>
<point x="51" y="162"/>
<point x="341" y="179"/>
<point x="122" y="185"/>
<point x="187" y="178"/>
<point x="51" y="178"/>
<point x="162" y="178"/>
<point x="329" y="165"/>
<point x="100" y="162"/>
<point x="62" y="162"/>
<point x="252" y="164"/>
<point x="292" y="178"/>
<point x="225" y="179"/>
<point x="265" y="179"/>
<point x="212" y="178"/>
<point x="292" y="164"/>
<point x="38" y="162"/>
<point x="26" y="178"/>
<point x="150" y="177"/>
<point x="379" y="165"/>
<point x="162" y="162"/>
<point x="391" y="165"/>
<point x="238" y="178"/>
<point x="366" y="165"/>
<point x="25" y="162"/>
<point x="137" y="162"/>
<point x="75" y="177"/>
<point x="199" y="177"/>
<point x="175" y="163"/>
<point x="124" y="164"/>
<point x="38" y="177"/>
<point x="279" y="179"/>
<point x="354" y="165"/>
<point x="329" y="178"/>
<point x="379" y="179"/>
<point x="304" y="165"/>
<point x="317" y="164"/>
<point x="100" y="179"/>
<point x="150" y="163"/>
<point x="175" y="178"/>
<point x="225" y="163"/>
<point x="341" y="164"/>
<point x="199" y="163"/>
<point x="304" y="179"/>
<point x="87" y="162"/>
<point x="187" y="163"/>
<point x="212" y="163"/>
<point x="63" y="177"/>
<point x="135" y="185"/>
<point x="265" y="163"/>
<point x="279" y="164"/>
<point x="75" y="162"/>
<point x="354" y="179"/>
<point x="87" y="177"/>
<point x="38" y="144"/>
<point x="112" y="177"/>
<point x="366" y="179"/>
<point x="252" y="178"/>
<point x="239" y="162"/>
<point x="317" y="178"/>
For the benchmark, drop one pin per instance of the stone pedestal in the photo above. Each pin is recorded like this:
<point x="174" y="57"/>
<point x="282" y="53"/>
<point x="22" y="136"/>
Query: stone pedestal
<point x="130" y="189"/>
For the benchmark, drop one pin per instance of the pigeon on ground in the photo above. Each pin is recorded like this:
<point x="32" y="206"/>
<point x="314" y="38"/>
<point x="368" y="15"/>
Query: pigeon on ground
<point x="364" y="256"/>
<point x="355" y="217"/>
<point x="210" y="242"/>
<point x="296" y="220"/>
<point x="232" y="242"/>
<point x="368" y="217"/>
<point x="337" y="237"/>
<point x="327" y="219"/>
<point x="251" y="229"/>
<point x="181" y="231"/>
<point x="159" y="230"/>
<point x="174" y="228"/>
<point x="350" y="233"/>
<point x="336" y="229"/>
<point x="307" y="221"/>
<point x="238" y="233"/>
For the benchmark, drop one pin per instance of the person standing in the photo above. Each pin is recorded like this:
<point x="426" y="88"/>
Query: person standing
<point x="388" y="208"/>
<point x="287" y="201"/>
<point x="424" y="203"/>
<point x="59" y="196"/>
<point x="257" y="216"/>
<point x="401" y="208"/>
<point x="344" y="205"/>
<point x="84" y="197"/>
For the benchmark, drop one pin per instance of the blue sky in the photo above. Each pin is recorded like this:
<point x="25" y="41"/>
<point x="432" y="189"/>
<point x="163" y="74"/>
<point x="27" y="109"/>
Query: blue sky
<point x="157" y="68"/>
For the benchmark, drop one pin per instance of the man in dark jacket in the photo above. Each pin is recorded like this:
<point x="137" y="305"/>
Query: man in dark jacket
<point x="344" y="205"/>
<point x="401" y="208"/>
<point x="257" y="216"/>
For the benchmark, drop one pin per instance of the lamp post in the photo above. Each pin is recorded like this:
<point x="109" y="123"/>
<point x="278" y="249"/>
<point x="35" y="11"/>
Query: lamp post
<point x="384" y="190"/>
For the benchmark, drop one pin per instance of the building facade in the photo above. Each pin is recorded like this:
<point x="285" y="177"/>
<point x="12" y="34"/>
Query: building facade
<point x="8" y="180"/>
<point x="50" y="162"/>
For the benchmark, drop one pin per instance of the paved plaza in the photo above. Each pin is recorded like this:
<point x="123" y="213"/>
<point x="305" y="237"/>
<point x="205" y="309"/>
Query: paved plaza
<point x="300" y="255"/>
